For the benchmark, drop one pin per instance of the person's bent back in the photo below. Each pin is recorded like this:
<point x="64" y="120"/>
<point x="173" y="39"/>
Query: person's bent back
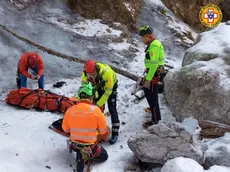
<point x="33" y="61"/>
<point x="84" y="122"/>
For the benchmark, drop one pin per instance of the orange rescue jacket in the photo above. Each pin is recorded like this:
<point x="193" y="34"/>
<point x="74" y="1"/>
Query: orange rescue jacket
<point x="23" y="64"/>
<point x="84" y="121"/>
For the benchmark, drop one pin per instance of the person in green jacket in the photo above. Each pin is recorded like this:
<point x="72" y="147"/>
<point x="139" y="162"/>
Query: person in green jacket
<point x="154" y="60"/>
<point x="105" y="82"/>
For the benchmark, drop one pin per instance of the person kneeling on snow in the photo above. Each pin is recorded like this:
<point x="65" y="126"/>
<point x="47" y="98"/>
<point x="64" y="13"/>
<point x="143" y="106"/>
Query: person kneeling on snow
<point x="33" y="61"/>
<point x="84" y="122"/>
<point x="105" y="80"/>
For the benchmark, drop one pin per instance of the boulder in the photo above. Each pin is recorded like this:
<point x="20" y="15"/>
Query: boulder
<point x="216" y="168"/>
<point x="162" y="142"/>
<point x="200" y="88"/>
<point x="181" y="164"/>
<point x="218" y="152"/>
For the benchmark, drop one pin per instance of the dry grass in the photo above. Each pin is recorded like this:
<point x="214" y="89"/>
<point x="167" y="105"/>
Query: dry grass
<point x="108" y="10"/>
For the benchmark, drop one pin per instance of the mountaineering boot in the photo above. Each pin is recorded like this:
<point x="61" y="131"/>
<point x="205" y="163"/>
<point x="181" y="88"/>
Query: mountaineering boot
<point x="149" y="123"/>
<point x="113" y="139"/>
<point x="115" y="132"/>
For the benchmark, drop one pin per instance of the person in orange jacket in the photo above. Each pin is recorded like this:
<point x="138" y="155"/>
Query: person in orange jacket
<point x="84" y="122"/>
<point x="33" y="61"/>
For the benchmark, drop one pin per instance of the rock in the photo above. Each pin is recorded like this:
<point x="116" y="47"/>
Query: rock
<point x="189" y="57"/>
<point x="186" y="136"/>
<point x="216" y="168"/>
<point x="123" y="123"/>
<point x="48" y="167"/>
<point x="133" y="42"/>
<point x="218" y="152"/>
<point x="22" y="4"/>
<point x="225" y="9"/>
<point x="210" y="129"/>
<point x="200" y="87"/>
<point x="181" y="164"/>
<point x="128" y="54"/>
<point x="162" y="142"/>
<point x="162" y="131"/>
<point x="132" y="49"/>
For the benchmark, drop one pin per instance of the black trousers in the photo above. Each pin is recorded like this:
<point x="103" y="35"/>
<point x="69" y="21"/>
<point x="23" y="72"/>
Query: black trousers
<point x="101" y="157"/>
<point x="151" y="95"/>
<point x="112" y="106"/>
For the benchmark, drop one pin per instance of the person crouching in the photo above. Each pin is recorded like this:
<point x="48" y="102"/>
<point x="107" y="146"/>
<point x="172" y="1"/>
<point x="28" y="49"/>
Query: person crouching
<point x="33" y="61"/>
<point x="84" y="122"/>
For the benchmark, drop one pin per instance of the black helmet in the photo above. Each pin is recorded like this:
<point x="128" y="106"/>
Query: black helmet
<point x="145" y="30"/>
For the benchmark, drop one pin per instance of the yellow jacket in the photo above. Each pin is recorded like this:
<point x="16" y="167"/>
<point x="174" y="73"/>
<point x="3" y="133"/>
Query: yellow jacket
<point x="106" y="80"/>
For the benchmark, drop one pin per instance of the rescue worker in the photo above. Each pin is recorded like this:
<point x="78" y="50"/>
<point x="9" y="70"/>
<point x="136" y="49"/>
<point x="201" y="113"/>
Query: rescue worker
<point x="154" y="59"/>
<point x="105" y="82"/>
<point x="84" y="122"/>
<point x="33" y="61"/>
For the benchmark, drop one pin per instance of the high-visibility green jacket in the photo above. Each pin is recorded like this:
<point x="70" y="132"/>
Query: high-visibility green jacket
<point x="105" y="81"/>
<point x="154" y="58"/>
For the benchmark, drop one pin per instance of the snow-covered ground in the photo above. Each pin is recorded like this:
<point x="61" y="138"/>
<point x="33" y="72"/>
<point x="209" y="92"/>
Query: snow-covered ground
<point x="27" y="145"/>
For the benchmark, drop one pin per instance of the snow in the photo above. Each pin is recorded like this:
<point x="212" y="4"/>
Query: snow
<point x="120" y="46"/>
<point x="175" y="25"/>
<point x="182" y="164"/>
<point x="216" y="168"/>
<point x="213" y="144"/>
<point x="38" y="147"/>
<point x="190" y="124"/>
<point x="129" y="7"/>
<point x="214" y="41"/>
<point x="214" y="65"/>
<point x="86" y="27"/>
<point x="156" y="2"/>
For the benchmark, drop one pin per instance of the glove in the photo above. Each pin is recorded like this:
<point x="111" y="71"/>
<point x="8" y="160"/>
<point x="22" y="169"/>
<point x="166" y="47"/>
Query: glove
<point x="147" y="84"/>
<point x="104" y="137"/>
<point x="33" y="77"/>
<point x="38" y="77"/>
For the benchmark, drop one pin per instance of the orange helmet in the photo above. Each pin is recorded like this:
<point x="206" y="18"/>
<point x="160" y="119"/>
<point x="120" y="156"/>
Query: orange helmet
<point x="90" y="66"/>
